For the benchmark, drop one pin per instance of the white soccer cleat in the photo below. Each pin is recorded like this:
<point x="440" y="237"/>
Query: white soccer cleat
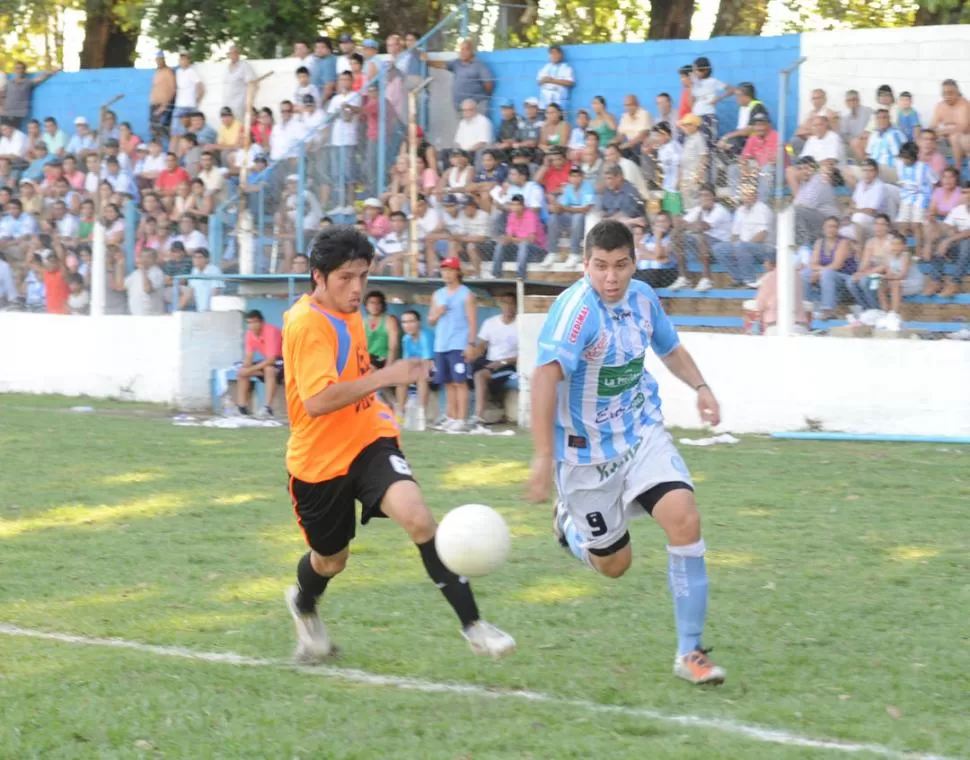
<point x="485" y="638"/>
<point x="456" y="426"/>
<point x="703" y="285"/>
<point x="697" y="668"/>
<point x="558" y="525"/>
<point x="679" y="284"/>
<point x="312" y="640"/>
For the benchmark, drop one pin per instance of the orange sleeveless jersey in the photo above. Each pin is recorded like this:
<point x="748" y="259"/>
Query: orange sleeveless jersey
<point x="322" y="347"/>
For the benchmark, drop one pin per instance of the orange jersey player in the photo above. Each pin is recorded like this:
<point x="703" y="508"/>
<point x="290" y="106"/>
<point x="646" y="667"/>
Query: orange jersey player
<point x="344" y="445"/>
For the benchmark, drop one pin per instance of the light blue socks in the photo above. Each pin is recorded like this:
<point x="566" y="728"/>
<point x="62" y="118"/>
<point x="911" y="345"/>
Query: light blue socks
<point x="575" y="541"/>
<point x="688" y="586"/>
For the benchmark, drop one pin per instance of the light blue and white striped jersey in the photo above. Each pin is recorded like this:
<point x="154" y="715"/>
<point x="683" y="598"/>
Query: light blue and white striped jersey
<point x="607" y="398"/>
<point x="915" y="183"/>
<point x="883" y="147"/>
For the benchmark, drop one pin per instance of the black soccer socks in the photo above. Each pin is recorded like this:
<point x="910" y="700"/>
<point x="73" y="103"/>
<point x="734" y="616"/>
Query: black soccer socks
<point x="311" y="585"/>
<point x="456" y="589"/>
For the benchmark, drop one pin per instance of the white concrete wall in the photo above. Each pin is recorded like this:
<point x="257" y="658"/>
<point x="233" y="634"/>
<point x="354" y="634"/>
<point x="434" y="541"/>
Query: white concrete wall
<point x="909" y="59"/>
<point x="158" y="359"/>
<point x="768" y="385"/>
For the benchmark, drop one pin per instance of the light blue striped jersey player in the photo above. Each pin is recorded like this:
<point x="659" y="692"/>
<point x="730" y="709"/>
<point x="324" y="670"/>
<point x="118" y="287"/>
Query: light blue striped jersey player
<point x="607" y="398"/>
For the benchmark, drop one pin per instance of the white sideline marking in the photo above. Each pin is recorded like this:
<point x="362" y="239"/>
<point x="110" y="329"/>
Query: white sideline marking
<point x="758" y="733"/>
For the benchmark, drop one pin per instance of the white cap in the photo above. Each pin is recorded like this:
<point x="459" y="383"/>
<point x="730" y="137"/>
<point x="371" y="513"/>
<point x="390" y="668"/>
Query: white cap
<point x="373" y="203"/>
<point x="80" y="120"/>
<point x="532" y="101"/>
<point x="292" y="177"/>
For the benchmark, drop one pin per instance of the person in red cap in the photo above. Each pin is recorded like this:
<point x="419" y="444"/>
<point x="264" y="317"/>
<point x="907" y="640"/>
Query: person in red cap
<point x="453" y="314"/>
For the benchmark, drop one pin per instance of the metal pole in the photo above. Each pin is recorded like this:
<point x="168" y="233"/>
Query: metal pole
<point x="99" y="249"/>
<point x="382" y="135"/>
<point x="782" y="128"/>
<point x="300" y="197"/>
<point x="244" y="222"/>
<point x="411" y="262"/>
<point x="463" y="23"/>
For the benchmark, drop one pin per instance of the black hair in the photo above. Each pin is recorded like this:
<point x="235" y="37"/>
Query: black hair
<point x="665" y="95"/>
<point x="582" y="111"/>
<point x="885" y="218"/>
<point x="748" y="89"/>
<point x="413" y="313"/>
<point x="255" y="314"/>
<point x="670" y="217"/>
<point x="663" y="127"/>
<point x="610" y="235"/>
<point x="336" y="246"/>
<point x="202" y="251"/>
<point x="601" y="99"/>
<point x="906" y="94"/>
<point x="303" y="70"/>
<point x="590" y="133"/>
<point x="522" y="169"/>
<point x="897" y="235"/>
<point x="708" y="188"/>
<point x="75" y="279"/>
<point x="685" y="70"/>
<point x="488" y="153"/>
<point x="326" y="41"/>
<point x="554" y="105"/>
<point x="703" y="64"/>
<point x="869" y="163"/>
<point x="51" y="119"/>
<point x="517" y="199"/>
<point x="190" y="137"/>
<point x="379" y="296"/>
<point x="909" y="150"/>
<point x="356" y="57"/>
<point x="397" y="215"/>
<point x="884" y="89"/>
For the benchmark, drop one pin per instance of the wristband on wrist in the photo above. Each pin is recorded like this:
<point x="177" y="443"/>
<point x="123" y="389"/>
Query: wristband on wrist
<point x="701" y="385"/>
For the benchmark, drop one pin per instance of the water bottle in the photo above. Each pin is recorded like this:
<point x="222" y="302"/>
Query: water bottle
<point x="411" y="409"/>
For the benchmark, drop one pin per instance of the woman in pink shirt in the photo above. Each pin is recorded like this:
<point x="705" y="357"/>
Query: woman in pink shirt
<point x="128" y="141"/>
<point x="374" y="220"/>
<point x="524" y="234"/>
<point x="767" y="301"/>
<point x="944" y="199"/>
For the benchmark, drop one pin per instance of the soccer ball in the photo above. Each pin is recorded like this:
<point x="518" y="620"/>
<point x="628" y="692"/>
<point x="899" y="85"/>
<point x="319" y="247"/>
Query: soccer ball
<point x="473" y="540"/>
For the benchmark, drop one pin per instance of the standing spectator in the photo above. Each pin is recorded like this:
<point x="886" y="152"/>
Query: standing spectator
<point x="474" y="133"/>
<point x="693" y="160"/>
<point x="669" y="157"/>
<point x="831" y="267"/>
<point x="262" y="362"/>
<point x="472" y="77"/>
<point x="324" y="70"/>
<point x="954" y="244"/>
<point x="301" y="52"/>
<point x="853" y="120"/>
<point x="145" y="286"/>
<point x="343" y="109"/>
<point x="707" y="92"/>
<point x="283" y="136"/>
<point x="453" y="314"/>
<point x="555" y="80"/>
<point x="83" y="141"/>
<point x="884" y="144"/>
<point x="916" y="181"/>
<point x="707" y="224"/>
<point x="235" y="85"/>
<point x="16" y="94"/>
<point x="304" y="87"/>
<point x="347" y="49"/>
<point x="497" y="352"/>
<point x="189" y="91"/>
<point x="634" y="126"/>
<point x="686" y="103"/>
<point x="161" y="100"/>
<point x="758" y="159"/>
<point x="951" y="121"/>
<point x="524" y="235"/>
<point x="814" y="200"/>
<point x="55" y="285"/>
<point x="666" y="113"/>
<point x="200" y="292"/>
<point x="54" y="137"/>
<point x="907" y="117"/>
<point x="751" y="237"/>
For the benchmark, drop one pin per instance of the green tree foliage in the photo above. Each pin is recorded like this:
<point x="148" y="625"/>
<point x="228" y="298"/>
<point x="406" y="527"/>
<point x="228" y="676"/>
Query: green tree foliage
<point x="740" y="17"/>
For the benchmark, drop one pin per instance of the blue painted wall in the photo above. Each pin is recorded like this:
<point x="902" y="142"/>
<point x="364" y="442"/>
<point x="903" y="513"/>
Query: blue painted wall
<point x="81" y="93"/>
<point x="646" y="69"/>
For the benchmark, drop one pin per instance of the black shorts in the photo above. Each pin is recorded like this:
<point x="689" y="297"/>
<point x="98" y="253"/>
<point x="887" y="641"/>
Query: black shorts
<point x="326" y="512"/>
<point x="499" y="378"/>
<point x="378" y="362"/>
<point x="279" y="373"/>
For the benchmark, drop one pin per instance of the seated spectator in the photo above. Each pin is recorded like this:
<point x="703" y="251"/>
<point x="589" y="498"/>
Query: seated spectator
<point x="751" y="240"/>
<point x="32" y="137"/>
<point x="884" y="100"/>
<point x="199" y="205"/>
<point x="168" y="180"/>
<point x="929" y="152"/>
<point x="190" y="153"/>
<point x="869" y="199"/>
<point x="8" y="287"/>
<point x="16" y="231"/>
<point x="884" y="144"/>
<point x="620" y="200"/>
<point x="121" y="182"/>
<point x="301" y="264"/>
<point x="517" y="182"/>
<point x="427" y="177"/>
<point x="954" y="243"/>
<point x="907" y="118"/>
<point x="416" y="343"/>
<point x="189" y="236"/>
<point x="497" y="352"/>
<point x="175" y="263"/>
<point x="73" y="175"/>
<point x="749" y="106"/>
<point x="634" y="127"/>
<point x="807" y="128"/>
<point x="577" y="136"/>
<point x="36" y="168"/>
<point x="943" y="200"/>
<point x="568" y="210"/>
<point x="592" y="166"/>
<point x="491" y="175"/>
<point x="706" y="225"/>
<point x="262" y="362"/>
<point x="916" y="181"/>
<point x="128" y="141"/>
<point x="470" y="240"/>
<point x="603" y="123"/>
<point x="758" y="158"/>
<point x="824" y="146"/>
<point x="656" y="264"/>
<point x="902" y="277"/>
<point x="8" y="177"/>
<point x="767" y="303"/>
<point x="832" y="265"/>
<point x="391" y="249"/>
<point x="508" y="129"/>
<point x="950" y="121"/>
<point x="79" y="299"/>
<point x="613" y="156"/>
<point x="853" y="121"/>
<point x="32" y="286"/>
<point x="62" y="225"/>
<point x="376" y="223"/>
<point x="814" y="200"/>
<point x="429" y="223"/>
<point x="54" y="137"/>
<point x="199" y="292"/>
<point x="555" y="131"/>
<point x="554" y="172"/>
<point x="555" y="80"/>
<point x="146" y="286"/>
<point x="382" y="329"/>
<point x="114" y="224"/>
<point x="13" y="145"/>
<point x="872" y="265"/>
<point x="694" y="159"/>
<point x="524" y="235"/>
<point x="530" y="126"/>
<point x="212" y="178"/>
<point x="33" y="202"/>
<point x="396" y="195"/>
<point x="458" y="177"/>
<point x="83" y="140"/>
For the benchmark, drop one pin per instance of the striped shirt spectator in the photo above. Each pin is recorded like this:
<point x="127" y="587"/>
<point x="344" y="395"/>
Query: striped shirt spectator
<point x="885" y="142"/>
<point x="916" y="181"/>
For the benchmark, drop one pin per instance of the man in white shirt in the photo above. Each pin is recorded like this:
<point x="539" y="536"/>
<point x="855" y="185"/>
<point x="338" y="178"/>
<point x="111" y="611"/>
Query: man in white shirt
<point x="189" y="91"/>
<point x="824" y="145"/>
<point x="555" y="80"/>
<point x="236" y="83"/>
<point x="474" y="133"/>
<point x="471" y="237"/>
<point x="392" y="248"/>
<point x="707" y="224"/>
<point x="750" y="242"/>
<point x="190" y="238"/>
<point x="13" y="144"/>
<point x="498" y="351"/>
<point x="308" y="119"/>
<point x="954" y="243"/>
<point x="429" y="222"/>
<point x="870" y="197"/>
<point x="284" y="137"/>
<point x="151" y="161"/>
<point x="146" y="286"/>
<point x="634" y="126"/>
<point x="343" y="110"/>
<point x="819" y="108"/>
<point x="303" y="56"/>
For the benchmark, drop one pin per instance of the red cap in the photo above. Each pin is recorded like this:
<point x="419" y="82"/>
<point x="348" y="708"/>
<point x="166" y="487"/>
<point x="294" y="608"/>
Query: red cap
<point x="419" y="131"/>
<point x="451" y="262"/>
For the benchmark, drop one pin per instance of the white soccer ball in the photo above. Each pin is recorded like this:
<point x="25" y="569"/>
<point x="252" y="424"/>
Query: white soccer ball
<point x="473" y="540"/>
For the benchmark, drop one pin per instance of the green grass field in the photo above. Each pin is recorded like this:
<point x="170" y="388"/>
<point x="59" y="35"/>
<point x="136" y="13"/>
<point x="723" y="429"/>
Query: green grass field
<point x="840" y="579"/>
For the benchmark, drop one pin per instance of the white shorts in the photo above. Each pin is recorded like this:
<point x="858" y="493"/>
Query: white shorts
<point x="910" y="214"/>
<point x="601" y="498"/>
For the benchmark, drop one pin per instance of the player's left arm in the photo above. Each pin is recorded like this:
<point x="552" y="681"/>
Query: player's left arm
<point x="666" y="344"/>
<point x="393" y="339"/>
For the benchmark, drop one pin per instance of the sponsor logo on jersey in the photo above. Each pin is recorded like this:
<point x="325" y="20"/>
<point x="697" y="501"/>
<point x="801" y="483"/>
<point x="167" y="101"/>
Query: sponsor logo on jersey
<point x="621" y="314"/>
<point x="611" y="413"/>
<point x="577" y="327"/>
<point x="598" y="349"/>
<point x="614" y="381"/>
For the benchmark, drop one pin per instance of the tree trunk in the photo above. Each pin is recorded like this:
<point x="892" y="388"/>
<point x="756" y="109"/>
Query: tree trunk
<point x="740" y="17"/>
<point x="106" y="44"/>
<point x="670" y="19"/>
<point x="949" y="15"/>
<point x="403" y="17"/>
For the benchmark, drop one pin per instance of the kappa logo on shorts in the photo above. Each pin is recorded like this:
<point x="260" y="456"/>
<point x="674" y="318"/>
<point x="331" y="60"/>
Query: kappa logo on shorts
<point x="399" y="465"/>
<point x="577" y="327"/>
<point x="459" y="368"/>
